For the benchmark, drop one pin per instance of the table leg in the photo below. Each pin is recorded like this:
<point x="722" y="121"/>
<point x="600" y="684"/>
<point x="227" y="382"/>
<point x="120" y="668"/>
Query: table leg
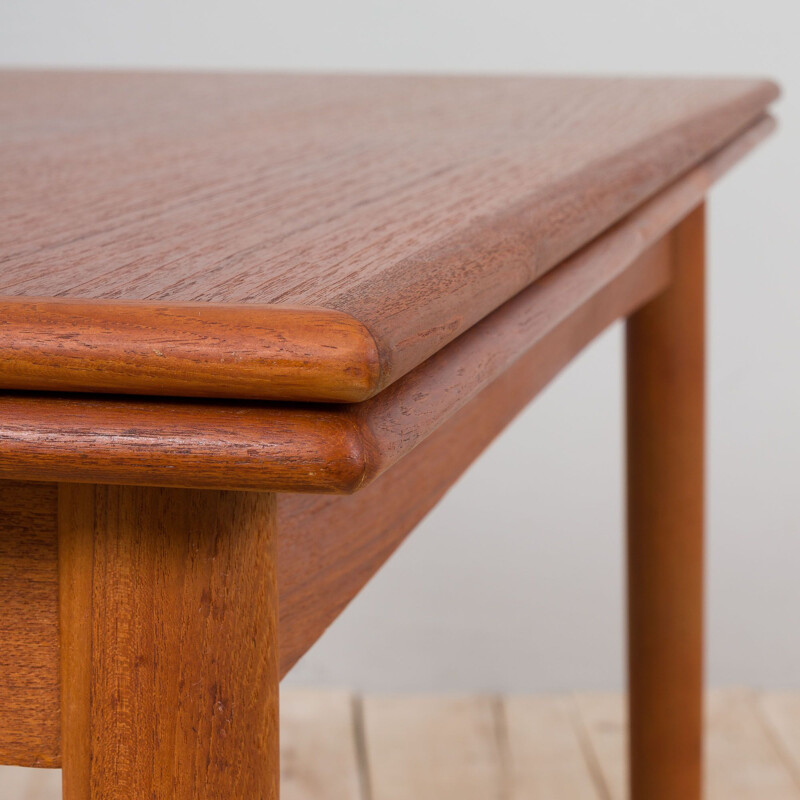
<point x="665" y="407"/>
<point x="169" y="656"/>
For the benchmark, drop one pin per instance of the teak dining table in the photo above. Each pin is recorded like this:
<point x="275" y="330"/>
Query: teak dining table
<point x="252" y="327"/>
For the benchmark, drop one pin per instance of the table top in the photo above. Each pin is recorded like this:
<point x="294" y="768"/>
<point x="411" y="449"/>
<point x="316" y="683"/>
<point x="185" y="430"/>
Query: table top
<point x="471" y="387"/>
<point x="298" y="237"/>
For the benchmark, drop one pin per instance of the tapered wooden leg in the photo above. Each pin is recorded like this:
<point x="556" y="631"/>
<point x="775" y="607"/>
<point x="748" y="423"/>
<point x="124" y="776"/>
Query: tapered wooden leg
<point x="665" y="403"/>
<point x="168" y="644"/>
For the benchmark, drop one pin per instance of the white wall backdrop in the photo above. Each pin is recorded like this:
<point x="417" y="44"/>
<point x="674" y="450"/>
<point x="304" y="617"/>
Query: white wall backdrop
<point x="515" y="581"/>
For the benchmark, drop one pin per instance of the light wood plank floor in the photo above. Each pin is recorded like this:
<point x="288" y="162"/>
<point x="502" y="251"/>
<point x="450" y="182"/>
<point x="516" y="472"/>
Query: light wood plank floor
<point x="336" y="746"/>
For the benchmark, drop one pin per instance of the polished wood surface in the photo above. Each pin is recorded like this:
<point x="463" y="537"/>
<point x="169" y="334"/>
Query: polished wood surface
<point x="333" y="449"/>
<point x="330" y="546"/>
<point x="665" y="434"/>
<point x="169" y="644"/>
<point x="29" y="727"/>
<point x="203" y="445"/>
<point x="416" y="205"/>
<point x="327" y="448"/>
<point x="188" y="350"/>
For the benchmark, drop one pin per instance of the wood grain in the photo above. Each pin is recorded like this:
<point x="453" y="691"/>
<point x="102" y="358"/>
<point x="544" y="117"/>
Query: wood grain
<point x="188" y="350"/>
<point x="50" y="437"/>
<point x="29" y="678"/>
<point x="305" y="448"/>
<point x="665" y="465"/>
<point x="176" y="651"/>
<point x="416" y="205"/>
<point x="76" y="533"/>
<point x="324" y="448"/>
<point x="330" y="546"/>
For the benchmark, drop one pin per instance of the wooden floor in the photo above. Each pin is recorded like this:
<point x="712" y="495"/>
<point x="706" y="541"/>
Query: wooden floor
<point x="336" y="746"/>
